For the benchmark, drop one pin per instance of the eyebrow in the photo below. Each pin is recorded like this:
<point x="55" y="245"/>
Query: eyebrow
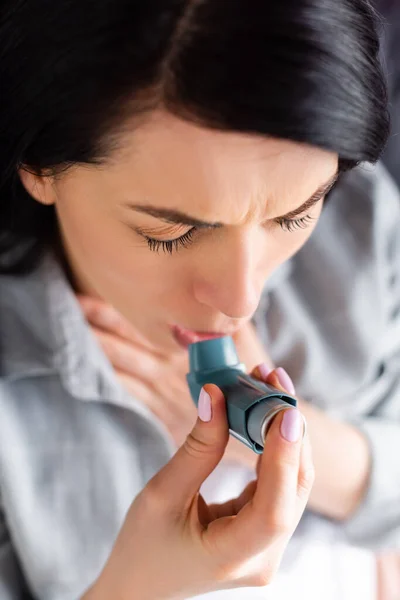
<point x="316" y="197"/>
<point x="181" y="218"/>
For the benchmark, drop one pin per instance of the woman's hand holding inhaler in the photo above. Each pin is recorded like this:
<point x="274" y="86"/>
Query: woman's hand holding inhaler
<point x="173" y="545"/>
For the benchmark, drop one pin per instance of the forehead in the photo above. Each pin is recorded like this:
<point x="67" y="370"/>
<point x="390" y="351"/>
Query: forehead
<point x="172" y="163"/>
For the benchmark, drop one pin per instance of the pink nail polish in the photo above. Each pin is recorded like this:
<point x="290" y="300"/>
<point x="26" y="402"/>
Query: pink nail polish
<point x="291" y="425"/>
<point x="264" y="370"/>
<point x="285" y="380"/>
<point x="204" y="406"/>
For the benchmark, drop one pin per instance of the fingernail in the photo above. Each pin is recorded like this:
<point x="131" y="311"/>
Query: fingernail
<point x="264" y="370"/>
<point x="204" y="406"/>
<point x="292" y="425"/>
<point x="285" y="380"/>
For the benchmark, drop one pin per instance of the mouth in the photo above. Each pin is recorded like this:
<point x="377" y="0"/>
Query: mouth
<point x="185" y="337"/>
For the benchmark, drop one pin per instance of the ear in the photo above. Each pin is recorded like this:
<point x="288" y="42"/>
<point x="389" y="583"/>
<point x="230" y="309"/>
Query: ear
<point x="39" y="186"/>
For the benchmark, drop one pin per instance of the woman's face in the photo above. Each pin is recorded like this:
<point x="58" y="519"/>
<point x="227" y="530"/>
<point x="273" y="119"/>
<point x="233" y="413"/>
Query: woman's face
<point x="186" y="224"/>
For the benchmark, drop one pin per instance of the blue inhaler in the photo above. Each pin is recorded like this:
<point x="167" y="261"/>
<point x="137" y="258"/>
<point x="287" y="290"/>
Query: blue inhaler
<point x="251" y="404"/>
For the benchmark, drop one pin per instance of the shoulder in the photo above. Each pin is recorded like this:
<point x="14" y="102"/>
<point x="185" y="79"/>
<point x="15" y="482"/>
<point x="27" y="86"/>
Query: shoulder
<point x="25" y="332"/>
<point x="359" y="223"/>
<point x="45" y="339"/>
<point x="332" y="314"/>
<point x="366" y="195"/>
<point x="347" y="263"/>
<point x="42" y="328"/>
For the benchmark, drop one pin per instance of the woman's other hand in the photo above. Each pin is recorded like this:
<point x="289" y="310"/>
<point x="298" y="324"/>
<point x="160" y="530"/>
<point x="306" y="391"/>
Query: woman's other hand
<point x="157" y="379"/>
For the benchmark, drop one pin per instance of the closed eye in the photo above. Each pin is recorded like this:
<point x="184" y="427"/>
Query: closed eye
<point x="185" y="240"/>
<point x="293" y="224"/>
<point x="169" y="246"/>
<point x="289" y="223"/>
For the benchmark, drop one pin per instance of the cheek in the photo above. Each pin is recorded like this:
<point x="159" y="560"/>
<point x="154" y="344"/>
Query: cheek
<point x="103" y="262"/>
<point x="88" y="234"/>
<point x="111" y="258"/>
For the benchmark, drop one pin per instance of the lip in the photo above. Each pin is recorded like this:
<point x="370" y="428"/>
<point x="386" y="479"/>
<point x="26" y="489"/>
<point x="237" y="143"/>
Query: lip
<point x="185" y="337"/>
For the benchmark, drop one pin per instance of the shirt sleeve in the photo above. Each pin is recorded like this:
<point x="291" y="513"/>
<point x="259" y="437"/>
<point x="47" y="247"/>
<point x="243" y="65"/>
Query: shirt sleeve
<point x="376" y="522"/>
<point x="12" y="583"/>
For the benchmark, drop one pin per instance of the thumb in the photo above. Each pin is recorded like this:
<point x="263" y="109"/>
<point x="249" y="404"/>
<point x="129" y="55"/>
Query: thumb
<point x="179" y="481"/>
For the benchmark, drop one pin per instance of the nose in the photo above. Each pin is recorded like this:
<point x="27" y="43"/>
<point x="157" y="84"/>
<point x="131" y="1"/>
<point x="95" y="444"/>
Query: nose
<point x="230" y="281"/>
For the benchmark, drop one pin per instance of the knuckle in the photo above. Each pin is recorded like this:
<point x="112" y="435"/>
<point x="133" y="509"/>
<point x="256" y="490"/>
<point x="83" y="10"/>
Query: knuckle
<point x="214" y="444"/>
<point x="197" y="447"/>
<point x="274" y="528"/>
<point x="278" y="525"/>
<point x="289" y="460"/>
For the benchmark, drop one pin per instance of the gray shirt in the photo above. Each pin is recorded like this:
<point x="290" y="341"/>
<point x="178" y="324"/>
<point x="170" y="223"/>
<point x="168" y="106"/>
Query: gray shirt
<point x="76" y="448"/>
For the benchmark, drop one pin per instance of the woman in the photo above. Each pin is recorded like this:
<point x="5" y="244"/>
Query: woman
<point x="167" y="157"/>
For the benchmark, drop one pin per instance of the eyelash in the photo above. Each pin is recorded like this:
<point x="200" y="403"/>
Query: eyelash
<point x="169" y="246"/>
<point x="293" y="224"/>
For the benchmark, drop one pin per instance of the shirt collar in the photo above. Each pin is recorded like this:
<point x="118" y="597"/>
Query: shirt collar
<point x="44" y="331"/>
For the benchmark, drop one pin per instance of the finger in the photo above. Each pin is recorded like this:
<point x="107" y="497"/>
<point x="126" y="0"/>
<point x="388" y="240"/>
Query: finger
<point x="306" y="474"/>
<point x="197" y="457"/>
<point x="134" y="364"/>
<point x="272" y="511"/>
<point x="103" y="315"/>
<point x="280" y="380"/>
<point x="168" y="415"/>
<point x="305" y="479"/>
<point x="141" y="391"/>
<point x="234" y="505"/>
<point x="258" y="465"/>
<point x="280" y="461"/>
<point x="106" y="317"/>
<point x="136" y="388"/>
<point x="266" y="373"/>
<point x="261" y="371"/>
<point x="125" y="356"/>
<point x="173" y="401"/>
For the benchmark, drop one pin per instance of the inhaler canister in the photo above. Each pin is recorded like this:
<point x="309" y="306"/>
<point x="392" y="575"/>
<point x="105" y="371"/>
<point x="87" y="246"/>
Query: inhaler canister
<point x="251" y="404"/>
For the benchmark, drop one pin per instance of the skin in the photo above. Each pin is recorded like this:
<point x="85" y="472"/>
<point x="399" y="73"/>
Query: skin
<point x="239" y="180"/>
<point x="239" y="543"/>
<point x="244" y="182"/>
